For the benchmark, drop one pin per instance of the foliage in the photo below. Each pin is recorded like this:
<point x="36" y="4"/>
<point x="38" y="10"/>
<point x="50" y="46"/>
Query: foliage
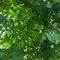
<point x="29" y="30"/>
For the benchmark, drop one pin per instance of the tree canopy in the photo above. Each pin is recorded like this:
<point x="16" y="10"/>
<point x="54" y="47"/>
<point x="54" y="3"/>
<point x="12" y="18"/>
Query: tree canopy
<point x="29" y="29"/>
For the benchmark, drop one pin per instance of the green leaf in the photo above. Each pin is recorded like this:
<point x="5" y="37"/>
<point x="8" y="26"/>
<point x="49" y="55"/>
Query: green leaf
<point x="53" y="37"/>
<point x="49" y="5"/>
